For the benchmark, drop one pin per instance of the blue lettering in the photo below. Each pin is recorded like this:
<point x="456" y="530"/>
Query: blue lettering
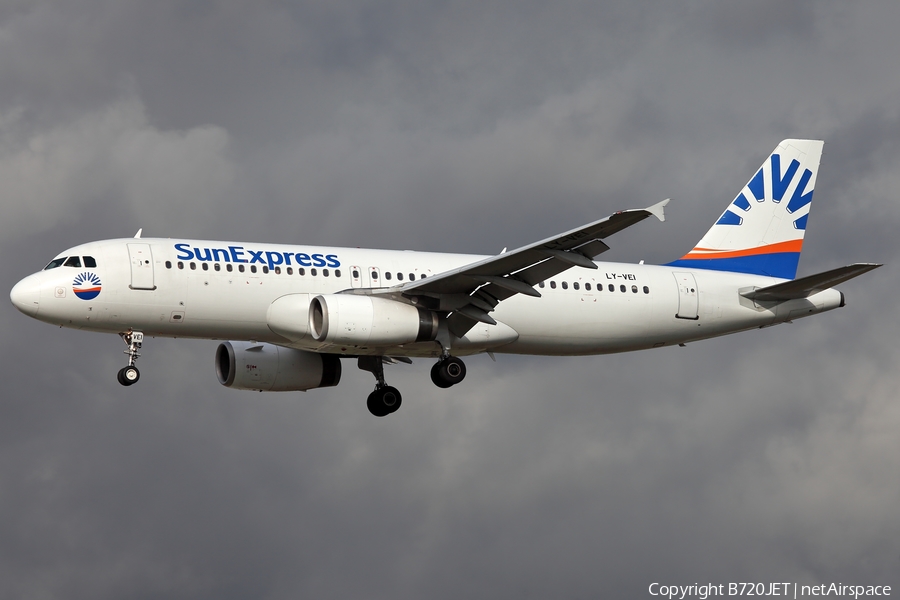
<point x="333" y="261"/>
<point x="256" y="257"/>
<point x="303" y="259"/>
<point x="186" y="249"/>
<point x="318" y="261"/>
<point x="217" y="252"/>
<point x="236" y="254"/>
<point x="270" y="258"/>
<point x="287" y="258"/>
<point x="207" y="255"/>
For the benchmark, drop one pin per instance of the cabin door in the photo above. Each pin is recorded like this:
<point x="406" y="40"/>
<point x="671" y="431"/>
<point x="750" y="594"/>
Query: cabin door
<point x="141" y="267"/>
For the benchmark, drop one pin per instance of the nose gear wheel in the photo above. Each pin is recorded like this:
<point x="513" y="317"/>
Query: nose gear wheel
<point x="129" y="375"/>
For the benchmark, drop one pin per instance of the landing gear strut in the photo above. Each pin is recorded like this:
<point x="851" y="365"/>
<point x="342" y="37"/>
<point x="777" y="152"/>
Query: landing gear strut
<point x="448" y="371"/>
<point x="129" y="375"/>
<point x="385" y="399"/>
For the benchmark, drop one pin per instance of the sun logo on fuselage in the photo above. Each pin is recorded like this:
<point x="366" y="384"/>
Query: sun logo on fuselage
<point x="86" y="286"/>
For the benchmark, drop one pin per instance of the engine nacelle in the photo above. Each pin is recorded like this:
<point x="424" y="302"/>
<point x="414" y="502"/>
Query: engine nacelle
<point x="348" y="320"/>
<point x="271" y="368"/>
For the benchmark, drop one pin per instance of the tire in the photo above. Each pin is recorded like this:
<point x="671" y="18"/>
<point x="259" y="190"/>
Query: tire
<point x="448" y="372"/>
<point x="384" y="401"/>
<point x="129" y="375"/>
<point x="391" y="398"/>
<point x="436" y="377"/>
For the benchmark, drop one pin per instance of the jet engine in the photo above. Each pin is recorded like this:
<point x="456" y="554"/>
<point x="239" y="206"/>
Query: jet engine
<point x="271" y="368"/>
<point x="348" y="320"/>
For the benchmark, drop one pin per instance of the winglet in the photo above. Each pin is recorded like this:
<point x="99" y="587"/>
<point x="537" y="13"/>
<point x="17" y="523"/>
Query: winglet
<point x="658" y="209"/>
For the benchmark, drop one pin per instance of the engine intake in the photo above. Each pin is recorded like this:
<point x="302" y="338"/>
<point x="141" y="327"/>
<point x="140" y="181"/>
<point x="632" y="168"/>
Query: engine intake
<point x="271" y="368"/>
<point x="348" y="320"/>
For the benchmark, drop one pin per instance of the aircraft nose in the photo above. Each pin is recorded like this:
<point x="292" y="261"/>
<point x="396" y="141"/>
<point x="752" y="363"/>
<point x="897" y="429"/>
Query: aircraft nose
<point x="26" y="295"/>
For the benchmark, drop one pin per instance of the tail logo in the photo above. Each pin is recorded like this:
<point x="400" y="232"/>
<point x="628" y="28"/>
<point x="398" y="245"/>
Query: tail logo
<point x="86" y="286"/>
<point x="778" y="185"/>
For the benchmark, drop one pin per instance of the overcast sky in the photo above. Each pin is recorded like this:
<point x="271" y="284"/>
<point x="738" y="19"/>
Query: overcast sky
<point x="771" y="455"/>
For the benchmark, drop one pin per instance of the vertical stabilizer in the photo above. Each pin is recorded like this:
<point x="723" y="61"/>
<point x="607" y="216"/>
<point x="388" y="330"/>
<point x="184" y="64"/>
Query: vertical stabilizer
<point x="761" y="231"/>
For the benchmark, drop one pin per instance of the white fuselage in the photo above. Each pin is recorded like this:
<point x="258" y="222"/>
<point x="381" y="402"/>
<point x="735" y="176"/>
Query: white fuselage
<point x="192" y="288"/>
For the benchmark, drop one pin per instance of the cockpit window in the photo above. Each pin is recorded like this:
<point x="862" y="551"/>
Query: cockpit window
<point x="56" y="262"/>
<point x="73" y="261"/>
<point x="89" y="262"/>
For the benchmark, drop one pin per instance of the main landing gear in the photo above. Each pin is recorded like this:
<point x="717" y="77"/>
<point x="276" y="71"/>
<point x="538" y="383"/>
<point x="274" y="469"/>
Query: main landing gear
<point x="129" y="375"/>
<point x="448" y="371"/>
<point x="386" y="399"/>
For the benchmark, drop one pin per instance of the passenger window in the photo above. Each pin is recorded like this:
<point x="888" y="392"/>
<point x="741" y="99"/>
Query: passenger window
<point x="575" y="285"/>
<point x="552" y="285"/>
<point x="587" y="286"/>
<point x="205" y="267"/>
<point x="241" y="268"/>
<point x="217" y="267"/>
<point x="278" y="270"/>
<point x="168" y="264"/>
<point x="89" y="262"/>
<point x="56" y="262"/>
<point x="387" y="275"/>
<point x="622" y="288"/>
<point x="73" y="261"/>
<point x="423" y="276"/>
<point x="301" y="271"/>
<point x="313" y="272"/>
<point x="253" y="268"/>
<point x="412" y="276"/>
<point x="541" y="284"/>
<point x="324" y="272"/>
<point x="265" y="269"/>
<point x="612" y="288"/>
<point x="646" y="290"/>
<point x="180" y="265"/>
<point x="565" y="285"/>
<point x="290" y="270"/>
<point x="228" y="267"/>
<point x="399" y="276"/>
<point x="355" y="274"/>
<point x="337" y="272"/>
<point x="374" y="275"/>
<point x="634" y="289"/>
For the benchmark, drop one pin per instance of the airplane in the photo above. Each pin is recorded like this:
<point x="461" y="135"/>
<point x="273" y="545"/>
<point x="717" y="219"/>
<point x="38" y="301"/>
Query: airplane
<point x="287" y="315"/>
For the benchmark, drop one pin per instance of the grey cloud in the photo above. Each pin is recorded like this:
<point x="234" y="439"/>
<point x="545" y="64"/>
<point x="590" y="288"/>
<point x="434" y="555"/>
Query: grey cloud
<point x="770" y="455"/>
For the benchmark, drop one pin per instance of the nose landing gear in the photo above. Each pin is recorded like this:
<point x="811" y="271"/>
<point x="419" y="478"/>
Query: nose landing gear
<point x="129" y="375"/>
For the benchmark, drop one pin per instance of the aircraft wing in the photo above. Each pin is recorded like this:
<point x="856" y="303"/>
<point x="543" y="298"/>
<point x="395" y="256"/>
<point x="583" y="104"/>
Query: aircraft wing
<point x="807" y="286"/>
<point x="472" y="291"/>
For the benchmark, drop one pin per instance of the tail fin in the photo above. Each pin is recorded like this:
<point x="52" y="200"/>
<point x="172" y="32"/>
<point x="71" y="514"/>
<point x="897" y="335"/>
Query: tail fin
<point x="761" y="231"/>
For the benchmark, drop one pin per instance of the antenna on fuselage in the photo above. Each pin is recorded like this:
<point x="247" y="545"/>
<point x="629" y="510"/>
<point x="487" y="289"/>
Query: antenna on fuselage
<point x="137" y="236"/>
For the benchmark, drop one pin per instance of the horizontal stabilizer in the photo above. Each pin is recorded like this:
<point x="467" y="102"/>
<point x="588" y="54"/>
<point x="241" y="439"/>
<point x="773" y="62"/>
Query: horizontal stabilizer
<point x="807" y="286"/>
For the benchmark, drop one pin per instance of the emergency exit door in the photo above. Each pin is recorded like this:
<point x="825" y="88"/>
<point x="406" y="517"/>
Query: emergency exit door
<point x="141" y="267"/>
